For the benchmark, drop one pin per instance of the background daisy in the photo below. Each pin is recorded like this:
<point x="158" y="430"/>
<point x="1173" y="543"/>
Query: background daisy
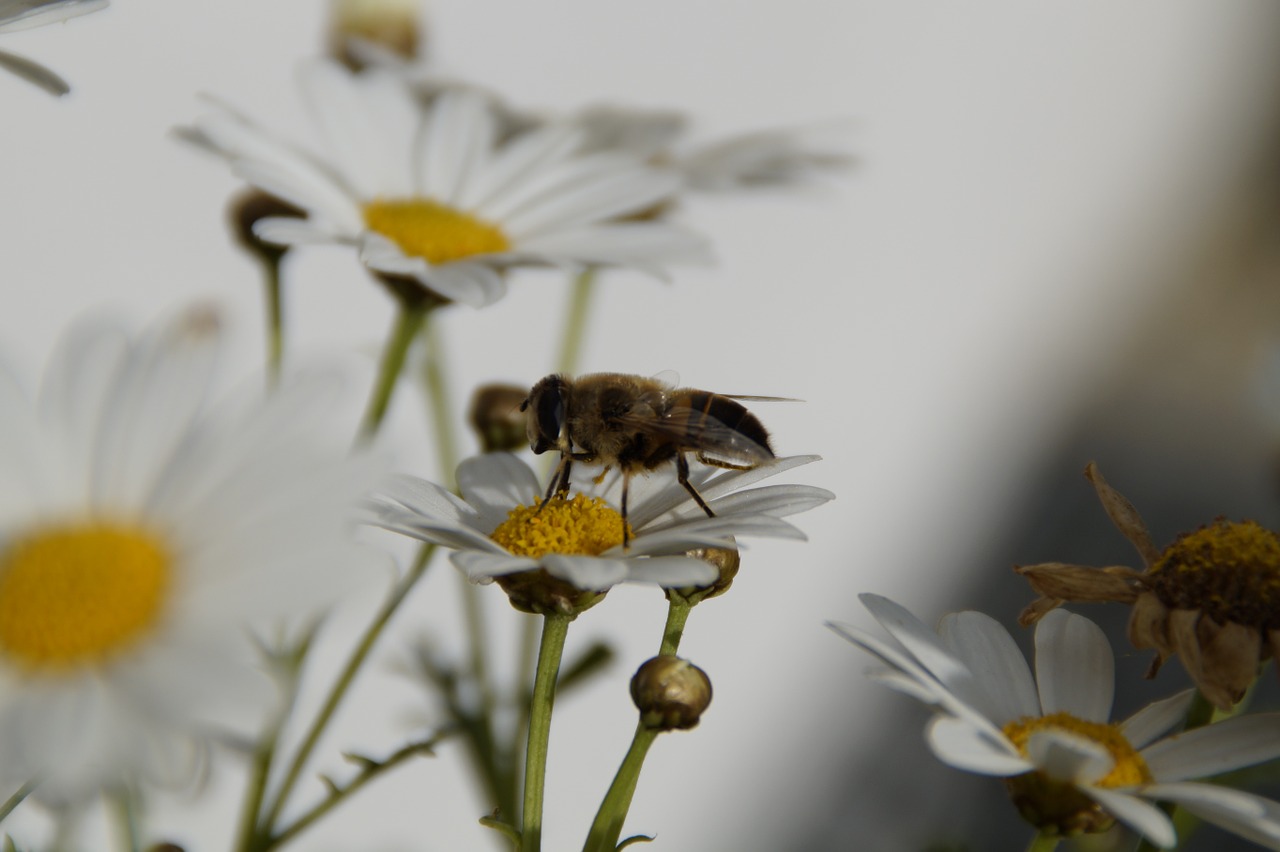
<point x="429" y="191"/>
<point x="140" y="538"/>
<point x="996" y="719"/>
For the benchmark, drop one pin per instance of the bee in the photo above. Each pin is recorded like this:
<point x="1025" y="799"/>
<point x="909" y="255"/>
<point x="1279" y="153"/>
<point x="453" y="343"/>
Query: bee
<point x="636" y="425"/>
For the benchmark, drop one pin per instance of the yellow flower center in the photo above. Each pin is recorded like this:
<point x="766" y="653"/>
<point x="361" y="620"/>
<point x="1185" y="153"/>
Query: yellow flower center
<point x="77" y="593"/>
<point x="1228" y="570"/>
<point x="1129" y="769"/>
<point x="585" y="526"/>
<point x="423" y="228"/>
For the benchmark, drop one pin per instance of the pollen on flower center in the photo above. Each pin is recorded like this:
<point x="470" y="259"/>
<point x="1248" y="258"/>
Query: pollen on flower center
<point x="1228" y="570"/>
<point x="584" y="526"/>
<point x="76" y="593"/>
<point x="1129" y="769"/>
<point x="440" y="234"/>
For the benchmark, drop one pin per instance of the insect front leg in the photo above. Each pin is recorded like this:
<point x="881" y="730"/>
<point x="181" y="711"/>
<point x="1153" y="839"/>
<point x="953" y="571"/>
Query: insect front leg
<point x="682" y="476"/>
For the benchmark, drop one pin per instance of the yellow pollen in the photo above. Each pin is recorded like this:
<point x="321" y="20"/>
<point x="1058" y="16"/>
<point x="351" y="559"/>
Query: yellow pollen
<point x="77" y="593"/>
<point x="1129" y="769"/>
<point x="1228" y="570"/>
<point x="583" y="526"/>
<point x="423" y="228"/>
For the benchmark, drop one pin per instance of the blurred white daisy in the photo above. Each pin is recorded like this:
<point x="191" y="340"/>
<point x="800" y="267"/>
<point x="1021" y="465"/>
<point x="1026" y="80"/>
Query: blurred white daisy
<point x="1068" y="768"/>
<point x="140" y="539"/>
<point x="428" y="191"/>
<point x="775" y="156"/>
<point x="24" y="15"/>
<point x="497" y="530"/>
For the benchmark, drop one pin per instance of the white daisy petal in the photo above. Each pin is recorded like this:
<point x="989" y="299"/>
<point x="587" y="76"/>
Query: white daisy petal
<point x="637" y="244"/>
<point x="1155" y="719"/>
<point x="18" y="15"/>
<point x="608" y="197"/>
<point x="519" y="162"/>
<point x="1068" y="756"/>
<point x="990" y="653"/>
<point x="454" y="145"/>
<point x="289" y="231"/>
<point x="671" y="571"/>
<point x="427" y="498"/>
<point x="481" y="567"/>
<point x="1212" y="749"/>
<point x="586" y="572"/>
<point x="958" y="743"/>
<point x="925" y="646"/>
<point x="1075" y="669"/>
<point x="1252" y="817"/>
<point x="1143" y="817"/>
<point x="495" y="483"/>
<point x="311" y="191"/>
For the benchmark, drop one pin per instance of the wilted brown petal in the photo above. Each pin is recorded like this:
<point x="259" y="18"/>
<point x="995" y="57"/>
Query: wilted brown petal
<point x="1186" y="643"/>
<point x="1149" y="625"/>
<point x="1082" y="584"/>
<point x="1123" y="515"/>
<point x="1038" y="609"/>
<point x="1229" y="659"/>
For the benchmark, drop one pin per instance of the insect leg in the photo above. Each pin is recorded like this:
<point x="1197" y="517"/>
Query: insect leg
<point x="626" y="530"/>
<point x="559" y="483"/>
<point x="682" y="475"/>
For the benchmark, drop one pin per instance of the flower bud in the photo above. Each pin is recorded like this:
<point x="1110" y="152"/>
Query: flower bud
<point x="496" y="417"/>
<point x="245" y="209"/>
<point x="391" y="25"/>
<point x="670" y="693"/>
<point x="726" y="561"/>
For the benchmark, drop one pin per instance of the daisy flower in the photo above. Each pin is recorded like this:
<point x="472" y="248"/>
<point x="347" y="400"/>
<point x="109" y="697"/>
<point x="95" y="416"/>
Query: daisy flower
<point x="139" y="537"/>
<point x="1068" y="768"/>
<point x="1212" y="598"/>
<point x="497" y="531"/>
<point x="26" y="14"/>
<point x="430" y="193"/>
<point x="775" y="156"/>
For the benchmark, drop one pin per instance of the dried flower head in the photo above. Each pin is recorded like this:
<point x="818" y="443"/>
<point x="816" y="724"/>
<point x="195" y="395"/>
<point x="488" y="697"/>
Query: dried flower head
<point x="1209" y="598"/>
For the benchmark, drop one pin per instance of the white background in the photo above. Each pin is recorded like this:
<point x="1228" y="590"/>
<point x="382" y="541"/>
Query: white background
<point x="1029" y="179"/>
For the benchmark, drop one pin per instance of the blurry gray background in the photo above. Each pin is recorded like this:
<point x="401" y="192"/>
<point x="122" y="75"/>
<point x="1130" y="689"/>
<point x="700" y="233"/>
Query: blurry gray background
<point x="1059" y="245"/>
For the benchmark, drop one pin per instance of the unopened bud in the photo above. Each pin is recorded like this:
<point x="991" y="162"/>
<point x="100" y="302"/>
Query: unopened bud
<point x="246" y="209"/>
<point x="496" y="417"/>
<point x="725" y="560"/>
<point x="671" y="693"/>
<point x="391" y="25"/>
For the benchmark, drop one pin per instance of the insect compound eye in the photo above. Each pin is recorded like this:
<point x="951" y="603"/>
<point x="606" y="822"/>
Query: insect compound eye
<point x="547" y="420"/>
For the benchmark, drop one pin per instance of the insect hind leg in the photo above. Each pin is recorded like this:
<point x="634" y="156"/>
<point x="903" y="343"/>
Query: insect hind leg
<point x="682" y="476"/>
<point x="722" y="463"/>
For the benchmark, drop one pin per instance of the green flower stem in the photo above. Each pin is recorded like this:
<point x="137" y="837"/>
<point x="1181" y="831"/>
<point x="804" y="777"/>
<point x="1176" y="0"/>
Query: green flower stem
<point x="339" y="689"/>
<point x="264" y="755"/>
<point x="370" y="769"/>
<point x="16" y="799"/>
<point x="410" y="316"/>
<point x="123" y="803"/>
<point x="607" y="826"/>
<point x="271" y="261"/>
<point x="575" y="327"/>
<point x="677" y="614"/>
<point x="1043" y="842"/>
<point x="554" y="629"/>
